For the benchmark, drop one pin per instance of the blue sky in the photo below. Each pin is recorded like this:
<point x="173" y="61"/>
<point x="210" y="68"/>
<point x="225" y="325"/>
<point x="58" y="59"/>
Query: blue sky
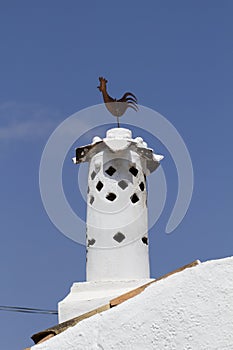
<point x="176" y="56"/>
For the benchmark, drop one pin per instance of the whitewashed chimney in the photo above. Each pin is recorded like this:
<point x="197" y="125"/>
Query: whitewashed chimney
<point x="117" y="218"/>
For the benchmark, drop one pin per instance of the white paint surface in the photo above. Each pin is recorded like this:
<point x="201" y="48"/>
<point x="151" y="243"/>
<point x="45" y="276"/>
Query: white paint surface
<point x="87" y="296"/>
<point x="117" y="215"/>
<point x="191" y="310"/>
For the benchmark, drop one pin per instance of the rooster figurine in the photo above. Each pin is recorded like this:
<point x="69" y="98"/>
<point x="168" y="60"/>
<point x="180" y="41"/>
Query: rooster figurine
<point x="114" y="106"/>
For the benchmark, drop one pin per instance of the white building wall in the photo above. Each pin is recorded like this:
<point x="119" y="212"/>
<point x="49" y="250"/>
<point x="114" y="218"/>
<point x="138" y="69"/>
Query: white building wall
<point x="191" y="310"/>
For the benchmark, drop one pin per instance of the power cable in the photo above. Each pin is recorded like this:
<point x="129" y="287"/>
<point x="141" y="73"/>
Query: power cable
<point x="28" y="310"/>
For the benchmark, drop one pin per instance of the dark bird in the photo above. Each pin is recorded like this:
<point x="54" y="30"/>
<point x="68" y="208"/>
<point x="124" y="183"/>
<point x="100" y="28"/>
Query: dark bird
<point x="114" y="106"/>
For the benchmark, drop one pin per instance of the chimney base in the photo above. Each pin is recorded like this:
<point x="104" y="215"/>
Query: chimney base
<point x="86" y="296"/>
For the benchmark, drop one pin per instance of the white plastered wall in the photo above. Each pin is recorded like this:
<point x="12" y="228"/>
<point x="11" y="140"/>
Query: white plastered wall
<point x="191" y="310"/>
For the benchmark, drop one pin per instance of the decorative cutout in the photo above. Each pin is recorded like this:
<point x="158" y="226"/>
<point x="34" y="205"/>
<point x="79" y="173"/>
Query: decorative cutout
<point x="134" y="198"/>
<point x="119" y="237"/>
<point x="142" y="186"/>
<point x="88" y="189"/>
<point x="110" y="171"/>
<point x="123" y="184"/>
<point x="93" y="175"/>
<point x="111" y="196"/>
<point x="133" y="171"/>
<point x="91" y="200"/>
<point x="91" y="242"/>
<point x="99" y="186"/>
<point x="145" y="240"/>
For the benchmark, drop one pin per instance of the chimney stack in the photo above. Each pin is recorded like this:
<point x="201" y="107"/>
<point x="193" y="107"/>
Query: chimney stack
<point x="117" y="219"/>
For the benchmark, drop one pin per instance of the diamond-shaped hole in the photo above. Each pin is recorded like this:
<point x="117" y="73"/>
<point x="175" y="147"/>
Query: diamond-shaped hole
<point x="142" y="186"/>
<point x="88" y="189"/>
<point x="119" y="237"/>
<point x="145" y="240"/>
<point x="91" y="242"/>
<point x="133" y="170"/>
<point x="111" y="196"/>
<point x="134" y="198"/>
<point x="91" y="200"/>
<point x="99" y="186"/>
<point x="110" y="171"/>
<point x="93" y="175"/>
<point x="123" y="184"/>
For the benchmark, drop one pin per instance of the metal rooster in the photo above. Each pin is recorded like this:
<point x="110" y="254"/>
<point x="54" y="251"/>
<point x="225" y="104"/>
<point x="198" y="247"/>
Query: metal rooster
<point x="114" y="106"/>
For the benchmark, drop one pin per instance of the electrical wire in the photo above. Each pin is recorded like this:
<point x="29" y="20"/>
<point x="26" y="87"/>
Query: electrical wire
<point x="28" y="310"/>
